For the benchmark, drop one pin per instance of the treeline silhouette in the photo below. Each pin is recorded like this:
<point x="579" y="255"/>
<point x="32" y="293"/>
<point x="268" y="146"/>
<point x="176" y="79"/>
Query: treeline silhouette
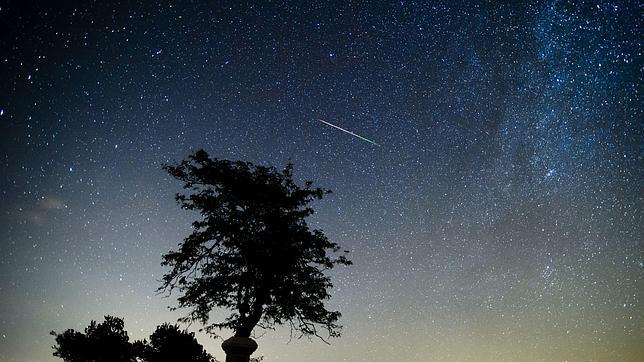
<point x="109" y="342"/>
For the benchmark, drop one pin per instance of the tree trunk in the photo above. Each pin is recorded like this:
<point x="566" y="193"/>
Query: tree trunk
<point x="247" y="325"/>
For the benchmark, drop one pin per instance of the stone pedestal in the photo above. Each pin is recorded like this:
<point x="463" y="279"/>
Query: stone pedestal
<point x="238" y="349"/>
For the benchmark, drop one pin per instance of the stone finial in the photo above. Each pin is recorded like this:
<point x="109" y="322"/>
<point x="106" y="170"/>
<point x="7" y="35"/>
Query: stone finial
<point x="239" y="349"/>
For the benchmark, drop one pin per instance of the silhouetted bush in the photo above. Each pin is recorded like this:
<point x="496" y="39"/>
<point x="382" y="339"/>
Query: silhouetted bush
<point x="109" y="342"/>
<point x="101" y="342"/>
<point x="170" y="344"/>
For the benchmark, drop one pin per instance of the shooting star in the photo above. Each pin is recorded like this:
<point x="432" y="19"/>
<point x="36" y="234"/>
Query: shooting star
<point x="349" y="132"/>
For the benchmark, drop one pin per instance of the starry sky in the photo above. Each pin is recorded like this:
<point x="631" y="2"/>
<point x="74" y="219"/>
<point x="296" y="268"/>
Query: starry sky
<point x="498" y="218"/>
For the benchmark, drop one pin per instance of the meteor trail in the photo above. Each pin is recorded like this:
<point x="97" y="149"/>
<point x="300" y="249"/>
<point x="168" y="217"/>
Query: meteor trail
<point x="349" y="132"/>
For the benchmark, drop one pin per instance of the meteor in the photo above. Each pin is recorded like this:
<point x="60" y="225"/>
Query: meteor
<point x="349" y="132"/>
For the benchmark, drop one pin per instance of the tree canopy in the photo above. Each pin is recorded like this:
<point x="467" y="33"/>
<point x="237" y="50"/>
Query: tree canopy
<point x="170" y="344"/>
<point x="252" y="251"/>
<point x="101" y="342"/>
<point x="109" y="342"/>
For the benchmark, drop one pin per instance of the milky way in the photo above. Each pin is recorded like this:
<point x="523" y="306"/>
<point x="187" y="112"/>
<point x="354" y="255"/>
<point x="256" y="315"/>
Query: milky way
<point x="500" y="221"/>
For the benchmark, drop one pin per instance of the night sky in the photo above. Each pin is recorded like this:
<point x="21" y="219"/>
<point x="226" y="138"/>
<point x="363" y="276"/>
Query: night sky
<point x="498" y="218"/>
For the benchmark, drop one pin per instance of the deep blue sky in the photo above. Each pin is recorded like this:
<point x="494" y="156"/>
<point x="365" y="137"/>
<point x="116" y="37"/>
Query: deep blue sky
<point x="499" y="219"/>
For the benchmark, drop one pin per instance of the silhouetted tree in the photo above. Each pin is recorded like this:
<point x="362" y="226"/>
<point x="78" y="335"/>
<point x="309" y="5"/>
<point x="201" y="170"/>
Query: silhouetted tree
<point x="252" y="251"/>
<point x="101" y="342"/>
<point x="109" y="342"/>
<point x="170" y="344"/>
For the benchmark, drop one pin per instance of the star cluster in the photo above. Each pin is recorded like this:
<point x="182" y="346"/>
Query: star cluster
<point x="499" y="218"/>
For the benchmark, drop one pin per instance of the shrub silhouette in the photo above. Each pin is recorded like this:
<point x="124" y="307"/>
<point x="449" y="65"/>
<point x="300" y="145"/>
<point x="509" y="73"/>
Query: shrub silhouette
<point x="170" y="344"/>
<point x="109" y="342"/>
<point x="101" y="342"/>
